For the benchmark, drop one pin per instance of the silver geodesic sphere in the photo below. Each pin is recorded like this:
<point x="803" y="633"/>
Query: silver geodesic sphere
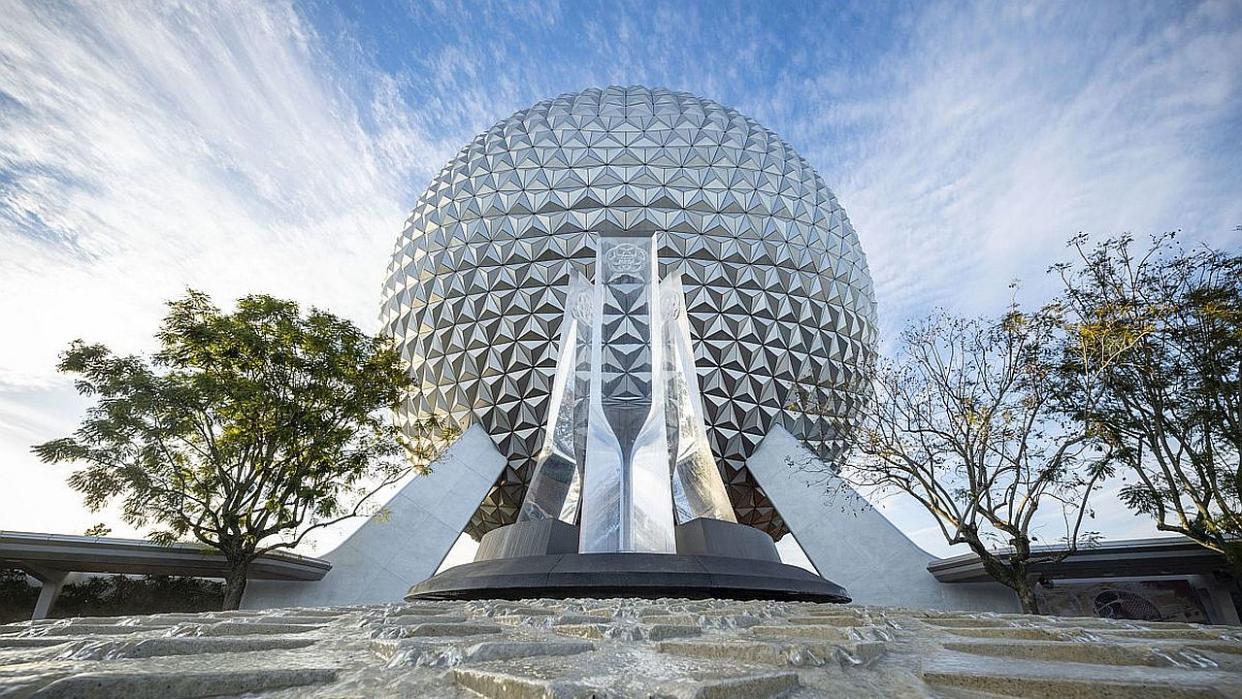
<point x="778" y="294"/>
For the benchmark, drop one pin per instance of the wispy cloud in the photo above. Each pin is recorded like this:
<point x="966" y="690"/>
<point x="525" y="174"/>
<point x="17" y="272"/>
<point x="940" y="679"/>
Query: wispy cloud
<point x="147" y="148"/>
<point x="1007" y="132"/>
<point x="238" y="147"/>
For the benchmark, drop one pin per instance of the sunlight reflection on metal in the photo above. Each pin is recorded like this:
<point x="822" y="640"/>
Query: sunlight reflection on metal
<point x="626" y="424"/>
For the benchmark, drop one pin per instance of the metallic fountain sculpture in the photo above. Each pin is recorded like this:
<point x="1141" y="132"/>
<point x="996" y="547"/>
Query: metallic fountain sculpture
<point x="626" y="497"/>
<point x="626" y="450"/>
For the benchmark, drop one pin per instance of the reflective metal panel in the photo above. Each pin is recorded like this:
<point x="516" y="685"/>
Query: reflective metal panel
<point x="697" y="488"/>
<point x="627" y="502"/>
<point x="555" y="487"/>
<point x="645" y="461"/>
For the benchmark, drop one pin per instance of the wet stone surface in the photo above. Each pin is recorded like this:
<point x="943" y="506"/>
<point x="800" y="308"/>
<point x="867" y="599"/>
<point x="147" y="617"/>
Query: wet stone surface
<point x="616" y="648"/>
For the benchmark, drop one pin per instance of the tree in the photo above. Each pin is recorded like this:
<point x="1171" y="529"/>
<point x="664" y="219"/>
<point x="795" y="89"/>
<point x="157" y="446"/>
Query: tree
<point x="964" y="420"/>
<point x="246" y="431"/>
<point x="99" y="529"/>
<point x="1162" y="329"/>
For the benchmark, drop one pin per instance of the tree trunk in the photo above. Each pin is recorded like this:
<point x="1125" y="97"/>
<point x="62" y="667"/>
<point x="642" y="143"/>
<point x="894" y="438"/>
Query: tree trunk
<point x="1010" y="574"/>
<point x="235" y="585"/>
<point x="1026" y="595"/>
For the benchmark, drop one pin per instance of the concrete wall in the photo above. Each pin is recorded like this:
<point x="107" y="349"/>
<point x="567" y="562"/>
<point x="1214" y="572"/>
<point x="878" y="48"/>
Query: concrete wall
<point x="852" y="543"/>
<point x="381" y="560"/>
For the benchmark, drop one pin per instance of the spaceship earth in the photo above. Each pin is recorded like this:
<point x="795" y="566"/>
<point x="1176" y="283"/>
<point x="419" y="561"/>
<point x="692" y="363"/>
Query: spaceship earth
<point x="779" y="298"/>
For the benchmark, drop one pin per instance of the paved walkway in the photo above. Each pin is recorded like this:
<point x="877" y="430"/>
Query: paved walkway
<point x="616" y="648"/>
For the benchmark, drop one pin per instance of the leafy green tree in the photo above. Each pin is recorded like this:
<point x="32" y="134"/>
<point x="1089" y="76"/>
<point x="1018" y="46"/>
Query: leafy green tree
<point x="246" y="431"/>
<point x="1161" y="329"/>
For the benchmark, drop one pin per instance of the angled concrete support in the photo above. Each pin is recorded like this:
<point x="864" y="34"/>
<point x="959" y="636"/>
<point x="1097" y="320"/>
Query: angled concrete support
<point x="853" y="544"/>
<point x="52" y="582"/>
<point x="380" y="561"/>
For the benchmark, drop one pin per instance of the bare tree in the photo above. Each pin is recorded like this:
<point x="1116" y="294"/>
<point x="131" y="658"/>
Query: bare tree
<point x="1161" y="328"/>
<point x="964" y="421"/>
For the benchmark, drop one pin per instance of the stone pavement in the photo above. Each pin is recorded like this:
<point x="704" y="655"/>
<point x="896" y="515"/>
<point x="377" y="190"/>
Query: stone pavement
<point x="615" y="648"/>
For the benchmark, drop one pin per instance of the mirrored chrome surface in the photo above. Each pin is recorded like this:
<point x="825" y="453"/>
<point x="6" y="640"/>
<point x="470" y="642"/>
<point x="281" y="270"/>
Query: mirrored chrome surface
<point x="556" y="486"/>
<point x="627" y="498"/>
<point x="633" y="406"/>
<point x="697" y="488"/>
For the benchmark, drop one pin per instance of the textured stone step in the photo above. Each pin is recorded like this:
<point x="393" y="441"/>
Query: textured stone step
<point x="834" y="633"/>
<point x="827" y="621"/>
<point x="658" y="610"/>
<point x="1210" y="647"/>
<point x="1086" y="622"/>
<point x="34" y="641"/>
<point x="659" y="632"/>
<point x="732" y="621"/>
<point x="967" y="622"/>
<point x="412" y="620"/>
<point x="418" y="653"/>
<point x="1074" y="652"/>
<point x="1029" y="633"/>
<point x="411" y="652"/>
<point x="510" y="650"/>
<point x="451" y="629"/>
<point x="675" y="619"/>
<point x="157" y="647"/>
<point x="1224" y="633"/>
<point x="831" y="610"/>
<point x="528" y="611"/>
<point x="1055" y="680"/>
<point x="832" y="651"/>
<point x="178" y="685"/>
<point x="322" y="614"/>
<point x="241" y="628"/>
<point x="501" y="685"/>
<point x="734" y="611"/>
<point x="309" y="620"/>
<point x="758" y="686"/>
<point x="582" y="630"/>
<point x="93" y="630"/>
<point x="93" y="620"/>
<point x="765" y="652"/>
<point x="565" y="619"/>
<point x="776" y="652"/>
<point x="1090" y="622"/>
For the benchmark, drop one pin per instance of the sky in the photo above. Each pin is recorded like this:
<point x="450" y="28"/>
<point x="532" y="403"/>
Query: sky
<point x="239" y="147"/>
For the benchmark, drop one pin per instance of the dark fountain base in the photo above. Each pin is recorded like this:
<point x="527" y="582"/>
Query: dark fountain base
<point x="714" y="560"/>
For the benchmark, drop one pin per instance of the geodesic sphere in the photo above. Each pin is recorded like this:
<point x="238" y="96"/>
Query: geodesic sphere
<point x="778" y="294"/>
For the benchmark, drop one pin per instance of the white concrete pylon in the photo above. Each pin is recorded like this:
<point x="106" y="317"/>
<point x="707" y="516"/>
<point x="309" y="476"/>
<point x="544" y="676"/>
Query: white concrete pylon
<point x="384" y="557"/>
<point x="852" y="543"/>
<point x="51" y="583"/>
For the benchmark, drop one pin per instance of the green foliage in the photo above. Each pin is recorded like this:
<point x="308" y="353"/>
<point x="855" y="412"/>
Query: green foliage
<point x="115" y="595"/>
<point x="17" y="596"/>
<point x="1160" y="332"/>
<point x="246" y="430"/>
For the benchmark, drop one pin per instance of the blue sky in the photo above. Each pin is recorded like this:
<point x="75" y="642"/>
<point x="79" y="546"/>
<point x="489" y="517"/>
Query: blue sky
<point x="275" y="147"/>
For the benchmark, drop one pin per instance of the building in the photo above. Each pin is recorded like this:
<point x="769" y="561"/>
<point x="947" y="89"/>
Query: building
<point x="781" y="316"/>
